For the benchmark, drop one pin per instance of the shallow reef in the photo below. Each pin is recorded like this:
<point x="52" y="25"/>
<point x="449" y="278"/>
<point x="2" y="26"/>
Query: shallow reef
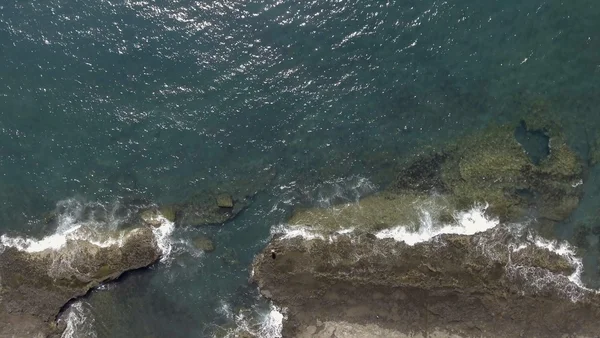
<point x="488" y="166"/>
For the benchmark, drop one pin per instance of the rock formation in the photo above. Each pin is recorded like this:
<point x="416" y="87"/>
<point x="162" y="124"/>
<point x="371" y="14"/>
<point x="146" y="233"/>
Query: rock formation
<point x="453" y="286"/>
<point x="490" y="166"/>
<point x="498" y="283"/>
<point x="36" y="285"/>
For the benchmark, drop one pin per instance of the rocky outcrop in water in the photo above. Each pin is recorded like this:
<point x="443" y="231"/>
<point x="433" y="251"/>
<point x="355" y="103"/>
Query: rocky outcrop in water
<point x="489" y="166"/>
<point x="36" y="285"/>
<point x="485" y="285"/>
<point x="349" y="281"/>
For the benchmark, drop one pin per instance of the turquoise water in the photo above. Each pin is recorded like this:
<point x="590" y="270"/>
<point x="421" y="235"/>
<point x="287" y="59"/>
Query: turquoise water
<point x="104" y="100"/>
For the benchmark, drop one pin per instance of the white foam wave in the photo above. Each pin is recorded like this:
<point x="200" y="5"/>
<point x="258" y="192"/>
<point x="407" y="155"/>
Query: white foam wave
<point x="73" y="226"/>
<point x="76" y="220"/>
<point x="259" y="323"/>
<point x="467" y="222"/>
<point x="162" y="234"/>
<point x="79" y="322"/>
<point x="572" y="286"/>
<point x="272" y="324"/>
<point x="297" y="231"/>
<point x="58" y="240"/>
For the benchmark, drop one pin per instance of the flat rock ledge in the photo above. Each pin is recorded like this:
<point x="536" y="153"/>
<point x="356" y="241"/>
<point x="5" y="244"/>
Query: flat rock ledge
<point x="36" y="286"/>
<point x="492" y="284"/>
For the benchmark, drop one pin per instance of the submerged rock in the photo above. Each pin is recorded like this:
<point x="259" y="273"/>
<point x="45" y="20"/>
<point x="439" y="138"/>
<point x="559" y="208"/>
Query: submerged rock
<point x="373" y="213"/>
<point x="487" y="167"/>
<point x="491" y="166"/>
<point x="204" y="208"/>
<point x="209" y="208"/>
<point x="224" y="201"/>
<point x="36" y="284"/>
<point x="204" y="243"/>
<point x="484" y="285"/>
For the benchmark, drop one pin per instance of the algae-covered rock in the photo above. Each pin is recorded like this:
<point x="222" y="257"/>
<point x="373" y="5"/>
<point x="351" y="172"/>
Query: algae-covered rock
<point x="168" y="211"/>
<point x="151" y="217"/>
<point x="375" y="212"/>
<point x="491" y="166"/>
<point x="421" y="174"/>
<point x="209" y="208"/>
<point x="37" y="284"/>
<point x="486" y="167"/>
<point x="595" y="152"/>
<point x="203" y="208"/>
<point x="224" y="201"/>
<point x="542" y="258"/>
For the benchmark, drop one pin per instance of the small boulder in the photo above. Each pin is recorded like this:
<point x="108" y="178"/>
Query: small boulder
<point x="224" y="201"/>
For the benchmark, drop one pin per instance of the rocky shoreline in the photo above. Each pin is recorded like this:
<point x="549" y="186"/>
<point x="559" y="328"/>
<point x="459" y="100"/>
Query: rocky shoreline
<point x="346" y="270"/>
<point x="341" y="272"/>
<point x="36" y="285"/>
<point x="39" y="278"/>
<point x="454" y="285"/>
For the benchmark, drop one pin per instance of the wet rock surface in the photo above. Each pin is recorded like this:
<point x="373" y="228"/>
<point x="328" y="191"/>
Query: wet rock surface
<point x="35" y="286"/>
<point x="452" y="286"/>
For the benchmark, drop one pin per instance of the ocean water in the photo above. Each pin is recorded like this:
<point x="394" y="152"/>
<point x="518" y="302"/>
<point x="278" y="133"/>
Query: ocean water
<point x="103" y="100"/>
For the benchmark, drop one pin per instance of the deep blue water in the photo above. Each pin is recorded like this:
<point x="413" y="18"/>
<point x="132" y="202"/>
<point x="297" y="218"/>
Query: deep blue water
<point x="158" y="99"/>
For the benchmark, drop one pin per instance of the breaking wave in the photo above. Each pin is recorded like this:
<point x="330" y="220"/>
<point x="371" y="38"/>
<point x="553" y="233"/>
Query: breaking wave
<point x="569" y="286"/>
<point x="263" y="323"/>
<point x="467" y="222"/>
<point x="79" y="322"/>
<point x="92" y="222"/>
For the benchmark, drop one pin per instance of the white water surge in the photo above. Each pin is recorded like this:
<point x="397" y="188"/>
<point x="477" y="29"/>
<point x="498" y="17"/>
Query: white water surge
<point x="74" y="225"/>
<point x="467" y="222"/>
<point x="264" y="323"/>
<point x="79" y="322"/>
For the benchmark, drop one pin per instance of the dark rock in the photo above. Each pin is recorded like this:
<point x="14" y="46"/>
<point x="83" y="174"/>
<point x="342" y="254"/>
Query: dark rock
<point x="422" y="175"/>
<point x="469" y="286"/>
<point x="201" y="209"/>
<point x="36" y="285"/>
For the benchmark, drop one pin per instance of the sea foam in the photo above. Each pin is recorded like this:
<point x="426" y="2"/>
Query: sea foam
<point x="100" y="231"/>
<point x="467" y="222"/>
<point x="78" y="322"/>
<point x="263" y="323"/>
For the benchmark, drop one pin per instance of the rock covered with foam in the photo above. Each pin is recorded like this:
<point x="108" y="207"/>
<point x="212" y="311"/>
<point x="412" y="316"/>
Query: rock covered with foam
<point x="37" y="278"/>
